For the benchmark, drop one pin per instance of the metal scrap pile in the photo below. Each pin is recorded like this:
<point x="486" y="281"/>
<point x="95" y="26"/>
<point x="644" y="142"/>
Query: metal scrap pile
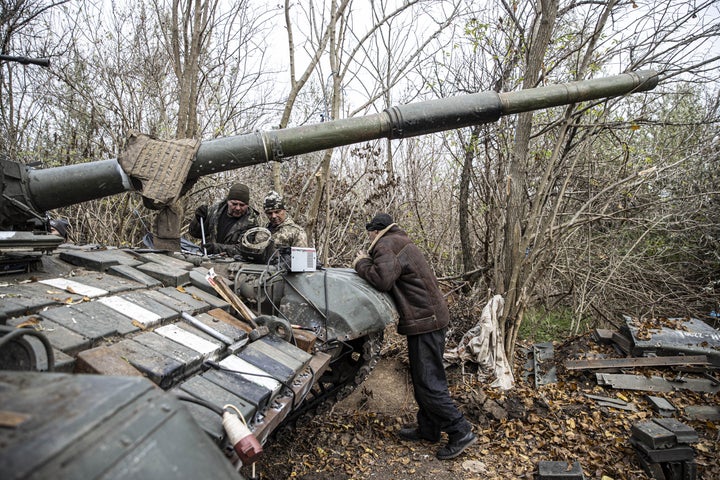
<point x="690" y="348"/>
<point x="666" y="359"/>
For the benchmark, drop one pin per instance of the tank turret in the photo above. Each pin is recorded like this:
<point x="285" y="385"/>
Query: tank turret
<point x="26" y="192"/>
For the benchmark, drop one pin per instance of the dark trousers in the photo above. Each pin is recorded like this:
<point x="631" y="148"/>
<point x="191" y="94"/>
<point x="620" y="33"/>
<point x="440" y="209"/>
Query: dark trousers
<point x="437" y="411"/>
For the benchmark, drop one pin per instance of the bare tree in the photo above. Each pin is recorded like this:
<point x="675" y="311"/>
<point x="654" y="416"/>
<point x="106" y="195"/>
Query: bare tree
<point x="19" y="27"/>
<point x="562" y="172"/>
<point x="114" y="75"/>
<point x="343" y="44"/>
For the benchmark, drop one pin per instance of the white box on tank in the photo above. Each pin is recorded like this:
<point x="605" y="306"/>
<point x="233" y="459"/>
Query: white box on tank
<point x="302" y="259"/>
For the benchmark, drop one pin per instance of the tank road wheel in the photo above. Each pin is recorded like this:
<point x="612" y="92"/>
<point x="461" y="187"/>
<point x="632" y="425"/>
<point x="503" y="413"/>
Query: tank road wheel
<point x="347" y="371"/>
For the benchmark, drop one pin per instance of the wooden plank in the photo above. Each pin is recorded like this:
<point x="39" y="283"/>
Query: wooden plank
<point x="226" y="317"/>
<point x="636" y="362"/>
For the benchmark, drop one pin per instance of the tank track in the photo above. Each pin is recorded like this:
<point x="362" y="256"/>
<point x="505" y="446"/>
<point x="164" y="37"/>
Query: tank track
<point x="350" y="369"/>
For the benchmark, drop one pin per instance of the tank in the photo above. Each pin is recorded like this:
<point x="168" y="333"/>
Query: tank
<point x="207" y="357"/>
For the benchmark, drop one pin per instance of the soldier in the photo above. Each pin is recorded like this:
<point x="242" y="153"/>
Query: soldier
<point x="394" y="264"/>
<point x="285" y="232"/>
<point x="59" y="227"/>
<point x="226" y="222"/>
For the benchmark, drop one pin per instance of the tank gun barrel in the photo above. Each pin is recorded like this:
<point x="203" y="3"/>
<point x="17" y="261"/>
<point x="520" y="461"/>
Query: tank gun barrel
<point x="407" y="121"/>
<point x="51" y="188"/>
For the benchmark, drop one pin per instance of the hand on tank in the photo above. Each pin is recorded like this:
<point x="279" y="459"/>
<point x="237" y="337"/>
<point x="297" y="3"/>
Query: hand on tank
<point x="359" y="256"/>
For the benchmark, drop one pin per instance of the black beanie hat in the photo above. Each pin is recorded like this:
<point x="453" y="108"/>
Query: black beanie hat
<point x="239" y="192"/>
<point x="379" y="222"/>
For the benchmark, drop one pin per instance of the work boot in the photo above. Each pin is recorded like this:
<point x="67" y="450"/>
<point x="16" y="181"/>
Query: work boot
<point x="414" y="435"/>
<point x="456" y="447"/>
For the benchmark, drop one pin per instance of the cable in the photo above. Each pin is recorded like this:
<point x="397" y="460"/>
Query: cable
<point x="203" y="403"/>
<point x="264" y="283"/>
<point x="244" y="442"/>
<point x="242" y="417"/>
<point x="17" y="332"/>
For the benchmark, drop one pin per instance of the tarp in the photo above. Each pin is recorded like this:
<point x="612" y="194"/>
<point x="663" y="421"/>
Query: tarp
<point x="483" y="344"/>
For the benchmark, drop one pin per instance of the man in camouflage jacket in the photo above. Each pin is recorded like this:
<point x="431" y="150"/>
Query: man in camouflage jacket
<point x="226" y="222"/>
<point x="285" y="232"/>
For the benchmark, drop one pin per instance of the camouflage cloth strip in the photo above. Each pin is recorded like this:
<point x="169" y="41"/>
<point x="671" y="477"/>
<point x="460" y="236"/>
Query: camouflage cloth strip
<point x="160" y="165"/>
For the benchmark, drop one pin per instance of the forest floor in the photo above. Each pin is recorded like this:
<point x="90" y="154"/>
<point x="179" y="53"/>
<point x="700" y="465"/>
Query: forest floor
<point x="516" y="429"/>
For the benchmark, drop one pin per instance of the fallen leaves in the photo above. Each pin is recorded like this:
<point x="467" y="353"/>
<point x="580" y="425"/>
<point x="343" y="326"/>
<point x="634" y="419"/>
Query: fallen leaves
<point x="556" y="422"/>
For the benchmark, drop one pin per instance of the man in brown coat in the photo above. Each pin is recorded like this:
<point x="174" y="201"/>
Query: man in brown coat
<point x="394" y="264"/>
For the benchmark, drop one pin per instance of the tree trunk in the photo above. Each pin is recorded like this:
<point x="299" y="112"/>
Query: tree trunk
<point x="470" y="152"/>
<point x="514" y="246"/>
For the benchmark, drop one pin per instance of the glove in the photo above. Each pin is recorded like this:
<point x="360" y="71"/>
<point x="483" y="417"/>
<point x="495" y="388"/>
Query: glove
<point x="212" y="248"/>
<point x="202" y="212"/>
<point x="360" y="255"/>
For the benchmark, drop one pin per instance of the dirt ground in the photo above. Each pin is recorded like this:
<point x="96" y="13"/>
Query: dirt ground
<point x="358" y="439"/>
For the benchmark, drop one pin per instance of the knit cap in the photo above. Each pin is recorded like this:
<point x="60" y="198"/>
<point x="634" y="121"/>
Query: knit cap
<point x="379" y="222"/>
<point x="239" y="192"/>
<point x="273" y="201"/>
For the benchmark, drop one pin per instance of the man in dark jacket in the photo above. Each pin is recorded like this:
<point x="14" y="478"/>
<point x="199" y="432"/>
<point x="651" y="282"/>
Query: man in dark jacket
<point x="394" y="264"/>
<point x="225" y="223"/>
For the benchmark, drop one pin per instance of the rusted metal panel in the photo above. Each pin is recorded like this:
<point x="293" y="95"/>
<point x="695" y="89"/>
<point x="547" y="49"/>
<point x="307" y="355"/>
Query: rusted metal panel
<point x="545" y="370"/>
<point x="636" y="362"/>
<point x="665" y="336"/>
<point x="551" y="470"/>
<point x="655" y="383"/>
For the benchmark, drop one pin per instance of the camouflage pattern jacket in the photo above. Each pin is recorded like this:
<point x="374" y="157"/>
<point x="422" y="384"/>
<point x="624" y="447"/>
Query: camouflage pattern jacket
<point x="288" y="234"/>
<point x="230" y="244"/>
